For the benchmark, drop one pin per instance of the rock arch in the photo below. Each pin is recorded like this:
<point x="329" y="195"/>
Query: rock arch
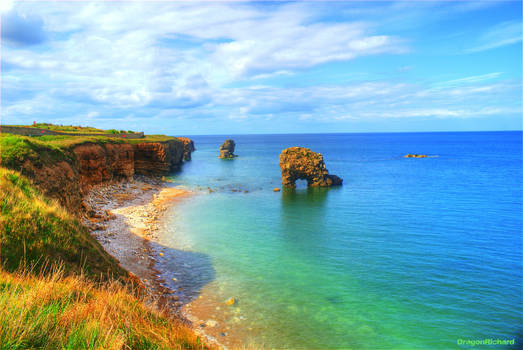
<point x="302" y="163"/>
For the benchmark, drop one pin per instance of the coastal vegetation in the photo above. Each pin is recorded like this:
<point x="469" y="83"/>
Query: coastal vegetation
<point x="58" y="287"/>
<point x="63" y="128"/>
<point x="53" y="311"/>
<point x="36" y="231"/>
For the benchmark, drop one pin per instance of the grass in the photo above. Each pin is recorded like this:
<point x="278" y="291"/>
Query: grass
<point x="64" y="128"/>
<point x="85" y="302"/>
<point x="34" y="229"/>
<point x="52" y="311"/>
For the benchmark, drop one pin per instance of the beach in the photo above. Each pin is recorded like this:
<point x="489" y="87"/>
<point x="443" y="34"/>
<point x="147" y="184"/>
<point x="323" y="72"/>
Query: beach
<point x="125" y="217"/>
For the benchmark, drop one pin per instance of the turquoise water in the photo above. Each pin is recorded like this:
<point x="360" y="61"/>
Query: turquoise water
<point x="407" y="254"/>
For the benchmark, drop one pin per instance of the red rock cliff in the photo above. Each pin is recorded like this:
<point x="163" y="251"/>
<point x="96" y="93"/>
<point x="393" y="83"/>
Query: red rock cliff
<point x="90" y="164"/>
<point x="157" y="158"/>
<point x="97" y="163"/>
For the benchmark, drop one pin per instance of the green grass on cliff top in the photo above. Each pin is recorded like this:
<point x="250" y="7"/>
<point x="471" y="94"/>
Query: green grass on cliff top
<point x="75" y="129"/>
<point x="46" y="149"/>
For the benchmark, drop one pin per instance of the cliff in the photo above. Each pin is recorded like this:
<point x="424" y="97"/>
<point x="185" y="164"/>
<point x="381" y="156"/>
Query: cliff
<point x="66" y="170"/>
<point x="188" y="147"/>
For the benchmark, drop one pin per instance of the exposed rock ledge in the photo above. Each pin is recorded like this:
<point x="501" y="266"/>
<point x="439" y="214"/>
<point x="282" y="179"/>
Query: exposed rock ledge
<point x="299" y="163"/>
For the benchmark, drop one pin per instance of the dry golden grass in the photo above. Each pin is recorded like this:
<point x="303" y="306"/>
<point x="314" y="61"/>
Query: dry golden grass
<point x="54" y="311"/>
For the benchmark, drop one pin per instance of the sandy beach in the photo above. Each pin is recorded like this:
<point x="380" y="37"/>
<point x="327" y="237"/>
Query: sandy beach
<point x="125" y="218"/>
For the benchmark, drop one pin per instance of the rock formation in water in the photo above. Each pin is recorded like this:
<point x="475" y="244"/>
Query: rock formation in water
<point x="227" y="149"/>
<point x="299" y="163"/>
<point x="415" y="156"/>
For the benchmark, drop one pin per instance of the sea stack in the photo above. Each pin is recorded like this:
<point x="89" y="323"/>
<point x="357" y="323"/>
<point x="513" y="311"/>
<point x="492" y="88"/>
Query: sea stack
<point x="415" y="156"/>
<point x="227" y="149"/>
<point x="299" y="163"/>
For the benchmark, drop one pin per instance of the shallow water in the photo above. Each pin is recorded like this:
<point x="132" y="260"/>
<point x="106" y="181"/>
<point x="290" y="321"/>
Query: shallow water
<point x="407" y="254"/>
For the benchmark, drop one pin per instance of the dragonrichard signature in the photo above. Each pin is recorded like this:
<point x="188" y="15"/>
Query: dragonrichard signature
<point x="486" y="341"/>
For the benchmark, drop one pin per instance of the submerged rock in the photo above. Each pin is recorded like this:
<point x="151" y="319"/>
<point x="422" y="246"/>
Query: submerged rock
<point x="230" y="301"/>
<point x="299" y="163"/>
<point x="415" y="156"/>
<point x="227" y="149"/>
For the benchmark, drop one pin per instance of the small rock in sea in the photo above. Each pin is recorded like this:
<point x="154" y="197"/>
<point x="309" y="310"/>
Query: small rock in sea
<point x="161" y="254"/>
<point x="175" y="279"/>
<point x="415" y="156"/>
<point x="245" y="191"/>
<point x="276" y="189"/>
<point x="230" y="301"/>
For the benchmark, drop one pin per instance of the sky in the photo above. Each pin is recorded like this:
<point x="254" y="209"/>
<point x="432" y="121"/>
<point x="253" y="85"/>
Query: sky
<point x="188" y="68"/>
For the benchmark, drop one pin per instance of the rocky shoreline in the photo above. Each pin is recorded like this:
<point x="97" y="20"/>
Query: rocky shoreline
<point x="127" y="218"/>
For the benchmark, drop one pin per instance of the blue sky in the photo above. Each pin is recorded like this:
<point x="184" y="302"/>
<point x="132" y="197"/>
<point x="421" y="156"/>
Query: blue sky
<point x="186" y="68"/>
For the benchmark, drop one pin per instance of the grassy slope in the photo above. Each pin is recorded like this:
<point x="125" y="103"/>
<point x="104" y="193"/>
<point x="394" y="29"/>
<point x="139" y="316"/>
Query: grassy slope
<point x="67" y="309"/>
<point x="35" y="230"/>
<point x="56" y="312"/>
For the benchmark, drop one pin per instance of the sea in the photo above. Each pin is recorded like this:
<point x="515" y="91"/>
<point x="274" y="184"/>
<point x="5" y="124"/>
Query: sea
<point x="409" y="253"/>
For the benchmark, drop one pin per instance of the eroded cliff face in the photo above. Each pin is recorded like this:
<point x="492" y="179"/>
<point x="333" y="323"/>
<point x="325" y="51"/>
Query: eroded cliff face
<point x="90" y="164"/>
<point x="97" y="163"/>
<point x="58" y="181"/>
<point x="157" y="158"/>
<point x="188" y="147"/>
